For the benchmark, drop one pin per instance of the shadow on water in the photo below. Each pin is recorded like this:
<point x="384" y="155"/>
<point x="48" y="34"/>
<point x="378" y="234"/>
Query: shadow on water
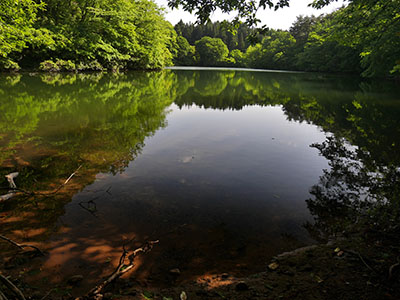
<point x="51" y="124"/>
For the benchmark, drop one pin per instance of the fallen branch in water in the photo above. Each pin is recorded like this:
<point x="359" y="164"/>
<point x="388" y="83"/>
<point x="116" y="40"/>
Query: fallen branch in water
<point x="13" y="188"/>
<point x="122" y="266"/>
<point x="12" y="287"/>
<point x="66" y="181"/>
<point x="21" y="246"/>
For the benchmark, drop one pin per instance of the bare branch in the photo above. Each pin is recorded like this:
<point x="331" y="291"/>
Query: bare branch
<point x="122" y="267"/>
<point x="66" y="181"/>
<point x="2" y="296"/>
<point x="12" y="287"/>
<point x="21" y="246"/>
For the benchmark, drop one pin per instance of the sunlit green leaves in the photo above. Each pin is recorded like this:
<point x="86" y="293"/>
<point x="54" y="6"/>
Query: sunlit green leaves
<point x="117" y="34"/>
<point x="211" y="51"/>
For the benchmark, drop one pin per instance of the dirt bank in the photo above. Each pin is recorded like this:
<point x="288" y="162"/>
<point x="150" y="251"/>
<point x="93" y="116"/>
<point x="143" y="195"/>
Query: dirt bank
<point x="342" y="269"/>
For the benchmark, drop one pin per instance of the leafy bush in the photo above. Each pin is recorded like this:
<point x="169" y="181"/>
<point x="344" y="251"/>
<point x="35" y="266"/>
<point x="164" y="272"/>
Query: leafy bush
<point x="58" y="66"/>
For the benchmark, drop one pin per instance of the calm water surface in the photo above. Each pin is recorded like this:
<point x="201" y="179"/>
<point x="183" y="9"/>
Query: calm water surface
<point x="216" y="164"/>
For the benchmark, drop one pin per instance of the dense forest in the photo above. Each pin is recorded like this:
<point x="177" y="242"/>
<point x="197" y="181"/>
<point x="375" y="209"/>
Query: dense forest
<point x="59" y="35"/>
<point x="359" y="38"/>
<point x="93" y="35"/>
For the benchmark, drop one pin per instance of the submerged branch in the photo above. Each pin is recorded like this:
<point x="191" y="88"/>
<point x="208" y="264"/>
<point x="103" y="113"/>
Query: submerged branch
<point x="13" y="190"/>
<point x="21" y="246"/>
<point x="122" y="266"/>
<point x="66" y="181"/>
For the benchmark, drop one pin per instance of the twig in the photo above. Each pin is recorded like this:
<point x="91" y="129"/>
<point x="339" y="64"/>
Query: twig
<point x="392" y="267"/>
<point x="362" y="259"/>
<point x="47" y="294"/>
<point x="364" y="262"/>
<point x="21" y="246"/>
<point x="66" y="181"/>
<point x="12" y="287"/>
<point x="122" y="267"/>
<point x="108" y="190"/>
<point x="2" y="296"/>
<point x="91" y="206"/>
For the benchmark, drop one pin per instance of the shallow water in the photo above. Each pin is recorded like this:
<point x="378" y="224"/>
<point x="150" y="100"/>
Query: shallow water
<point x="216" y="164"/>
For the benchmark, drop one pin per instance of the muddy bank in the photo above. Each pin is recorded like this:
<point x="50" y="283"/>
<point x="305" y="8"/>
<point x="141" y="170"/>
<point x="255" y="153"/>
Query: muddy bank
<point x="342" y="269"/>
<point x="333" y="271"/>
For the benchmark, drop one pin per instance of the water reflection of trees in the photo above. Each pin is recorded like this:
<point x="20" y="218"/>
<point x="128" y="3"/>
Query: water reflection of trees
<point x="50" y="124"/>
<point x="358" y="193"/>
<point x="362" y="184"/>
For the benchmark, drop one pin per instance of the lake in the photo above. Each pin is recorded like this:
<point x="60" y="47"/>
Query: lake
<point x="226" y="168"/>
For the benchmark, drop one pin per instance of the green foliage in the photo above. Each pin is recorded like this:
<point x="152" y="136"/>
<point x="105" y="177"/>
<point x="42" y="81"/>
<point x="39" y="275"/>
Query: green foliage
<point x="245" y="9"/>
<point x="238" y="58"/>
<point x="233" y="37"/>
<point x="57" y="66"/>
<point x="323" y="53"/>
<point x="117" y="34"/>
<point x="89" y="35"/>
<point x="185" y="55"/>
<point x="274" y="51"/>
<point x="16" y="29"/>
<point x="360" y="38"/>
<point x="211" y="51"/>
<point x="373" y="28"/>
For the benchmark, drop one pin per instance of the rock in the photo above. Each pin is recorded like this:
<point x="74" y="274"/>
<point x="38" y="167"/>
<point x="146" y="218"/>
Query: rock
<point x="273" y="266"/>
<point x="74" y="280"/>
<point x="183" y="296"/>
<point x="175" y="271"/>
<point x="242" y="286"/>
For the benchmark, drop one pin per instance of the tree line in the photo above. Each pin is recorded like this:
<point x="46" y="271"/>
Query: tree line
<point x="362" y="38"/>
<point x="94" y="35"/>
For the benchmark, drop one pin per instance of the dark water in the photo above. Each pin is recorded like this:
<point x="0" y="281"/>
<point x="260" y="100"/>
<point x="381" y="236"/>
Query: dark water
<point x="216" y="164"/>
